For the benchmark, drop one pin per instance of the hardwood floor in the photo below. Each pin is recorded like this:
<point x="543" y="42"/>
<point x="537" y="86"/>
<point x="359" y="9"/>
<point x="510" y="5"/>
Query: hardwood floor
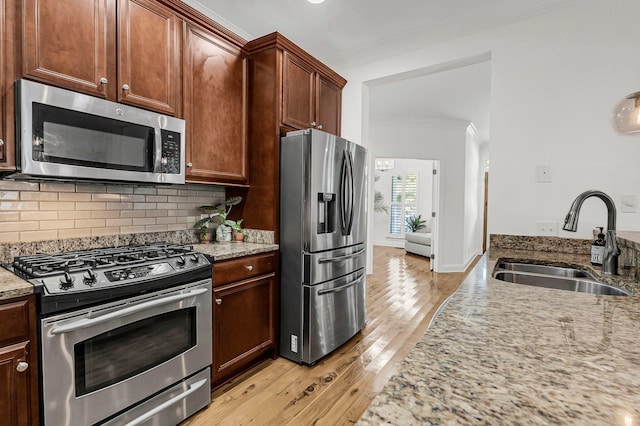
<point x="402" y="296"/>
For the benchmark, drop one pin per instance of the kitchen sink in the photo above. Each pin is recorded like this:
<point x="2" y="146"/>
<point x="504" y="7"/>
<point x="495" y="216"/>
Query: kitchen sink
<point x="542" y="269"/>
<point x="560" y="278"/>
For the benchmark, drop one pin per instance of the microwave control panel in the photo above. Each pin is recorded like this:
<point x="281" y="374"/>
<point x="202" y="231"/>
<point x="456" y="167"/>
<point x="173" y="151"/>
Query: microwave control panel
<point x="170" y="151"/>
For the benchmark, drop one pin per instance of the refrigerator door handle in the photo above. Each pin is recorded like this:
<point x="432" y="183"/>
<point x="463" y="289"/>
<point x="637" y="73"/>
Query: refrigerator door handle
<point x="340" y="258"/>
<point x="346" y="194"/>
<point x="341" y="288"/>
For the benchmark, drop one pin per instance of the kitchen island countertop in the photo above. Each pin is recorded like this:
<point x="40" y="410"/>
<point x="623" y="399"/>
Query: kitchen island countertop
<point x="502" y="353"/>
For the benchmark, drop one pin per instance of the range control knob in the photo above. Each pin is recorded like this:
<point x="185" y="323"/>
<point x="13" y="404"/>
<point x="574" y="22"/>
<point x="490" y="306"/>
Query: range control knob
<point x="66" y="281"/>
<point x="194" y="258"/>
<point x="89" y="277"/>
<point x="181" y="261"/>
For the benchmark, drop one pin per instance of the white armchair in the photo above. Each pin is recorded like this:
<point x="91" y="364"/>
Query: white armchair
<point x="419" y="242"/>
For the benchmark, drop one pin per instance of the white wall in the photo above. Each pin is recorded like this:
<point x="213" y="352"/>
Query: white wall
<point x="556" y="79"/>
<point x="473" y="209"/>
<point x="423" y="168"/>
<point x="433" y="139"/>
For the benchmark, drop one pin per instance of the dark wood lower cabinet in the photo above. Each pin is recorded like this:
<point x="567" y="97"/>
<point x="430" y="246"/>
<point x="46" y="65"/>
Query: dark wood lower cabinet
<point x="244" y="316"/>
<point x="18" y="363"/>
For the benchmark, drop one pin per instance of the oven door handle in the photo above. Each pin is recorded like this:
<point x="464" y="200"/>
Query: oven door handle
<point x="146" y="416"/>
<point x="89" y="322"/>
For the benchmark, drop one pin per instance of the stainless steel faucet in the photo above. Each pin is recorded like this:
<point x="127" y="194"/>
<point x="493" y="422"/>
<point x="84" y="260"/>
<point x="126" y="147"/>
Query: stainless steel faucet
<point x="611" y="250"/>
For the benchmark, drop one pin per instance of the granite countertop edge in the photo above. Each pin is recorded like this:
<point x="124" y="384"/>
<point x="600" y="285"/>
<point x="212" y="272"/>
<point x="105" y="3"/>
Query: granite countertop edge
<point x="12" y="286"/>
<point x="502" y="353"/>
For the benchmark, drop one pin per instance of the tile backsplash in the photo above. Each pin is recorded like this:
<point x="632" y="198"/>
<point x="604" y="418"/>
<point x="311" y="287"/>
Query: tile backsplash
<point x="37" y="211"/>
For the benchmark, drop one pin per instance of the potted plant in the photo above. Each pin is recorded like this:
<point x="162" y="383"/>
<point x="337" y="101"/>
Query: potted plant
<point x="413" y="223"/>
<point x="217" y="214"/>
<point x="238" y="235"/>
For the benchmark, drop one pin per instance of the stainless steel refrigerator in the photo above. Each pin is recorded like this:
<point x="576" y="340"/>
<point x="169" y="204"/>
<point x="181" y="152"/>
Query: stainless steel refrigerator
<point x="322" y="243"/>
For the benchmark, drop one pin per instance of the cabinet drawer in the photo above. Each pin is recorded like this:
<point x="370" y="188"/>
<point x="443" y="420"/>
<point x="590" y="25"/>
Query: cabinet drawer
<point x="14" y="321"/>
<point x="240" y="269"/>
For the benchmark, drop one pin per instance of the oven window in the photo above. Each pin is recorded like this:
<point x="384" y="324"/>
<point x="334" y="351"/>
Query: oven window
<point x="121" y="353"/>
<point x="81" y="139"/>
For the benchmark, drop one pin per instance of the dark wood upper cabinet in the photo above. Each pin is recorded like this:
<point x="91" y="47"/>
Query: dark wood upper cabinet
<point x="289" y="90"/>
<point x="298" y="93"/>
<point x="328" y="105"/>
<point x="215" y="108"/>
<point x="9" y="54"/>
<point x="74" y="45"/>
<point x="148" y="56"/>
<point x="70" y="44"/>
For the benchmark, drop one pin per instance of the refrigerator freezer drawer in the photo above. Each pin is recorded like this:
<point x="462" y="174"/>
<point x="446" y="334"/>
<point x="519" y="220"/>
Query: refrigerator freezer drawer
<point x="328" y="265"/>
<point x="335" y="313"/>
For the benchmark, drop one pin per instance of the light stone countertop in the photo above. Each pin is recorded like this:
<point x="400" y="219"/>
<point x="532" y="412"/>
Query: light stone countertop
<point x="501" y="353"/>
<point x="230" y="250"/>
<point x="13" y="286"/>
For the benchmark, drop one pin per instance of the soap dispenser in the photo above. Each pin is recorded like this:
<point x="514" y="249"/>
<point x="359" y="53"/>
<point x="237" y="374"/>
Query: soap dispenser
<point x="597" y="246"/>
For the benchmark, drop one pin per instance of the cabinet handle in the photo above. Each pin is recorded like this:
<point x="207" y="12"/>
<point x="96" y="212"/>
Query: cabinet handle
<point x="313" y="124"/>
<point x="218" y="301"/>
<point x="22" y="367"/>
<point x="320" y="126"/>
<point x="125" y="87"/>
<point x="1" y="142"/>
<point x="249" y="268"/>
<point x="190" y="165"/>
<point x="103" y="80"/>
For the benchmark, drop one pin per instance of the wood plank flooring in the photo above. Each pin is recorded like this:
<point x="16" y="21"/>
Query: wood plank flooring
<point x="402" y="297"/>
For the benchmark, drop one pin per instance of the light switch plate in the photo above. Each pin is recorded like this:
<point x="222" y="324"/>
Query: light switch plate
<point x="629" y="203"/>
<point x="547" y="228"/>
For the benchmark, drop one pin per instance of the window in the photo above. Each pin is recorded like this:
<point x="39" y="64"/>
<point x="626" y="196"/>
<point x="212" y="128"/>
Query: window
<point x="404" y="202"/>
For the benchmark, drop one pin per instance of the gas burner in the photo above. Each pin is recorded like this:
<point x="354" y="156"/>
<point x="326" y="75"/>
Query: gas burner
<point x="85" y="277"/>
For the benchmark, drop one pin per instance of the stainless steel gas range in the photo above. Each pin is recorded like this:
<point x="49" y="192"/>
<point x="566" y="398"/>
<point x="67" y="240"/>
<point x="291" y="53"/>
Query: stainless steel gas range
<point x="125" y="333"/>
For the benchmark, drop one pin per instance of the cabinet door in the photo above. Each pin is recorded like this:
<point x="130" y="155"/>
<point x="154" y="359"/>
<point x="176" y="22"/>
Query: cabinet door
<point x="328" y="106"/>
<point x="243" y="324"/>
<point x="215" y="108"/>
<point x="298" y="93"/>
<point x="15" y="394"/>
<point x="3" y="82"/>
<point x="148" y="56"/>
<point x="70" y="44"/>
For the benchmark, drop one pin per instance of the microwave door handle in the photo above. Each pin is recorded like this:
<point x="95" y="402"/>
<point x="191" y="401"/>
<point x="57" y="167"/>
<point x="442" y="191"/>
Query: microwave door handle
<point x="146" y="416"/>
<point x="89" y="322"/>
<point x="157" y="155"/>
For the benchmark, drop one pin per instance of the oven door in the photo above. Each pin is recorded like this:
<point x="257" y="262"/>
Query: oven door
<point x="98" y="361"/>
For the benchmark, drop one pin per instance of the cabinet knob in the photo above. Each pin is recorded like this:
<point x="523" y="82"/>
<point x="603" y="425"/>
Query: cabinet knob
<point x="313" y="124"/>
<point x="189" y="165"/>
<point x="249" y="268"/>
<point x="1" y="142"/>
<point x="103" y="80"/>
<point x="125" y="87"/>
<point x="218" y="301"/>
<point x="320" y="126"/>
<point x="22" y="366"/>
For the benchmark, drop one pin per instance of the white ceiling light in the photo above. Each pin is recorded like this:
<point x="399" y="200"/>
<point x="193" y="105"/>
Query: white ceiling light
<point x="315" y="1"/>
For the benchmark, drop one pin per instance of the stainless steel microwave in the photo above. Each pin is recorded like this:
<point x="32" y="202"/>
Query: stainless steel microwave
<point x="62" y="134"/>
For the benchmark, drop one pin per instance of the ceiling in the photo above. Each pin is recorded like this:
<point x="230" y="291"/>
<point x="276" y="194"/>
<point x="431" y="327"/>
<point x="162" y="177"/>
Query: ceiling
<point x="348" y="32"/>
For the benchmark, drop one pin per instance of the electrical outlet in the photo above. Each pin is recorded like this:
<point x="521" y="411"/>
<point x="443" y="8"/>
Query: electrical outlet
<point x="294" y="343"/>
<point x="543" y="173"/>
<point x="547" y="228"/>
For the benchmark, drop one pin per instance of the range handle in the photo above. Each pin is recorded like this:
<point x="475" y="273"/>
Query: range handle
<point x="89" y="322"/>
